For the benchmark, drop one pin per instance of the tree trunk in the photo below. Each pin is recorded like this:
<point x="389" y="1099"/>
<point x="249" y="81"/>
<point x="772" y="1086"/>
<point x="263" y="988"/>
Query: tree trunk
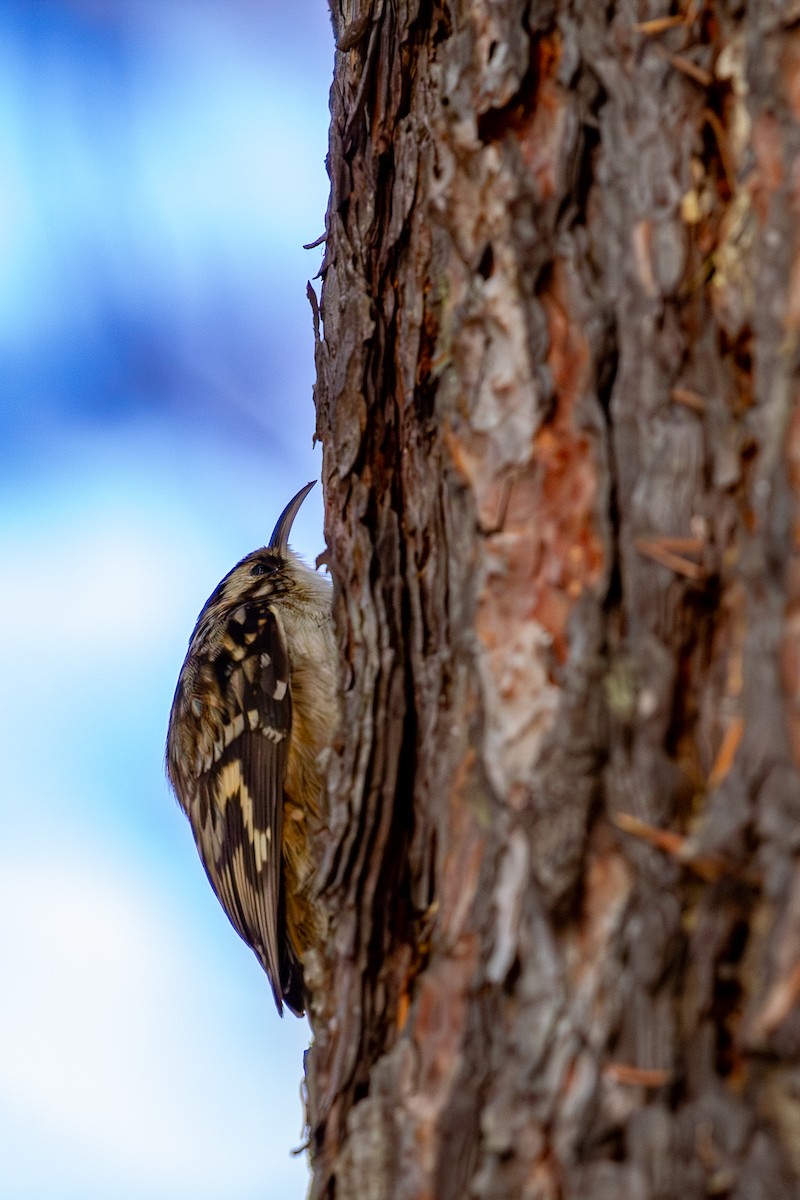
<point x="558" y="399"/>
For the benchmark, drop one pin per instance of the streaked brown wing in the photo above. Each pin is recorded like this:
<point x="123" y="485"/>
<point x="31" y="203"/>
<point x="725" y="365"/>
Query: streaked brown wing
<point x="237" y="812"/>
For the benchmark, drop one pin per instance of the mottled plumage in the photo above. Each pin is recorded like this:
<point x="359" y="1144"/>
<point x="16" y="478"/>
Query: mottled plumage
<point x="254" y="709"/>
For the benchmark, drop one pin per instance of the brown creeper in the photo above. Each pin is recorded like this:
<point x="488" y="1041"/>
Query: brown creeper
<point x="254" y="709"/>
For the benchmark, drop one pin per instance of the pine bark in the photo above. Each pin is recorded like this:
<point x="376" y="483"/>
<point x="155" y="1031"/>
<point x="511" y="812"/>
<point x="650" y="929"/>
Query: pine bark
<point x="558" y="401"/>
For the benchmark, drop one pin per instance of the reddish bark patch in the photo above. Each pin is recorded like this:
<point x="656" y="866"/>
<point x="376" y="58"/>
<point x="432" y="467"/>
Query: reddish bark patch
<point x="571" y="554"/>
<point x="541" y="136"/>
<point x="768" y="176"/>
<point x="790" y="72"/>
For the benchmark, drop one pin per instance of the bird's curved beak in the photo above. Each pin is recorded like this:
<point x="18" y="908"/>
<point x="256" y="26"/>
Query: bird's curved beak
<point x="280" y="534"/>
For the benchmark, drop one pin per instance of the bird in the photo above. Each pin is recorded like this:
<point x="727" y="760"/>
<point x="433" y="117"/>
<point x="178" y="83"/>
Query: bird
<point x="254" y="711"/>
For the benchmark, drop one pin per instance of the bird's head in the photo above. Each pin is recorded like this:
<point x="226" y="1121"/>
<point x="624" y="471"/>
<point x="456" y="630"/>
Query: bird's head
<point x="260" y="576"/>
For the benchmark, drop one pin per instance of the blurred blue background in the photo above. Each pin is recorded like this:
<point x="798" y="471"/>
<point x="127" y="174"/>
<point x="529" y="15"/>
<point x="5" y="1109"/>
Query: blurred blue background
<point x="161" y="165"/>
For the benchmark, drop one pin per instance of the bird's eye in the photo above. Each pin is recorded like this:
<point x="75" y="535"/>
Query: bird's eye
<point x="259" y="569"/>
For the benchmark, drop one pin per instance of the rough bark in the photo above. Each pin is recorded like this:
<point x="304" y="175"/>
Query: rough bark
<point x="558" y="401"/>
